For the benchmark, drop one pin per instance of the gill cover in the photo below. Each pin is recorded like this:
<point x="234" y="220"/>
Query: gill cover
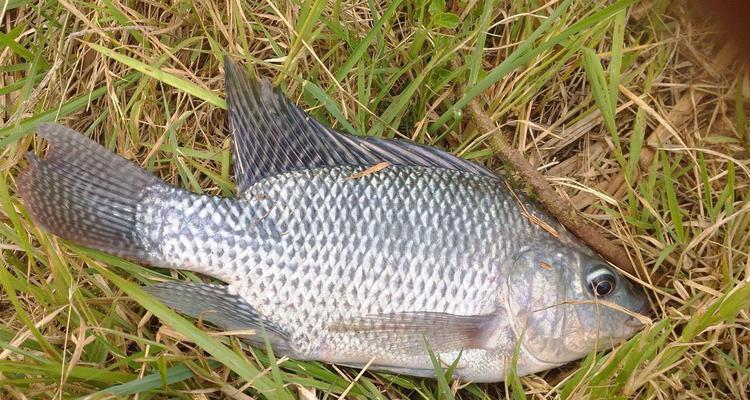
<point x="537" y="303"/>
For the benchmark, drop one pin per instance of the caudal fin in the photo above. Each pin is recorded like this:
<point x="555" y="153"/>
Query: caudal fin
<point x="86" y="194"/>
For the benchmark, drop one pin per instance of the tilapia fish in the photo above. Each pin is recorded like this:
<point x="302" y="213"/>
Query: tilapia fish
<point x="351" y="250"/>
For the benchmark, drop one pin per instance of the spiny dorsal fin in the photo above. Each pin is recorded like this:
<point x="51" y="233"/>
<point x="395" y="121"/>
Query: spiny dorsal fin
<point x="273" y="136"/>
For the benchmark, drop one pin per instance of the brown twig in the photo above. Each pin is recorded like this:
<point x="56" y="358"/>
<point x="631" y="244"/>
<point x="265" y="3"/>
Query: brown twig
<point x="558" y="207"/>
<point x="562" y="209"/>
<point x="369" y="171"/>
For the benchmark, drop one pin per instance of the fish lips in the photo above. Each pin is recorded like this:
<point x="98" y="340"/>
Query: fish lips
<point x="644" y="310"/>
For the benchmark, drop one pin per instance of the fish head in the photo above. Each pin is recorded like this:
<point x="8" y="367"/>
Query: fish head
<point x="565" y="302"/>
<point x="607" y="307"/>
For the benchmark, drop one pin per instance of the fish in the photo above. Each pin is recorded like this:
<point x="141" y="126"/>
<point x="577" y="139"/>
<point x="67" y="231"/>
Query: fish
<point x="359" y="251"/>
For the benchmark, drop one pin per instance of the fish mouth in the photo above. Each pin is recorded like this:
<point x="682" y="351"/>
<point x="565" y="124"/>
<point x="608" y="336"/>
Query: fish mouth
<point x="645" y="309"/>
<point x="636" y="323"/>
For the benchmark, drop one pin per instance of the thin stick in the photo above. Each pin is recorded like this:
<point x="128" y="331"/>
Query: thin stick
<point x="562" y="209"/>
<point x="556" y="205"/>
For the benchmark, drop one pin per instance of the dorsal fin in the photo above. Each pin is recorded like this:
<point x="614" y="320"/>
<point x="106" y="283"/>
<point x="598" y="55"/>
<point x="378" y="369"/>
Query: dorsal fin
<point x="273" y="136"/>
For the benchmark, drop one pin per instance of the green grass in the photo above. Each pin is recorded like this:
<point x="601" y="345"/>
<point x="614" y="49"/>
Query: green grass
<point x="145" y="80"/>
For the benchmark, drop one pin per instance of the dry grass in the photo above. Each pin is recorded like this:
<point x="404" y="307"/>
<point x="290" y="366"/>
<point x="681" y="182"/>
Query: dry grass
<point x="69" y="326"/>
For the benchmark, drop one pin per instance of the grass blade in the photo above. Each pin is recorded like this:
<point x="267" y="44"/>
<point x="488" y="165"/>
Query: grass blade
<point x="162" y="76"/>
<point x="330" y="105"/>
<point x="444" y="389"/>
<point x="361" y="48"/>
<point x="12" y="133"/>
<point x="223" y="354"/>
<point x="173" y="375"/>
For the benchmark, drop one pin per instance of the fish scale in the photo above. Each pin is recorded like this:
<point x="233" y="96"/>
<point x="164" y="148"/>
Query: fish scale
<point x="331" y="259"/>
<point x="370" y="267"/>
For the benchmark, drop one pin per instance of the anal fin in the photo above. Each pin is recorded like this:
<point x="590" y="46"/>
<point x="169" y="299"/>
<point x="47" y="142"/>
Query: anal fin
<point x="215" y="304"/>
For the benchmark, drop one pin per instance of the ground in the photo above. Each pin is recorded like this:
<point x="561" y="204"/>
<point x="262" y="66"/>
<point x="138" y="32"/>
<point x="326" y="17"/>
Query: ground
<point x="633" y="111"/>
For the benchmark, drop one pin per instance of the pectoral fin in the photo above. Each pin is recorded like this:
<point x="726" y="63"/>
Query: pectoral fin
<point x="408" y="330"/>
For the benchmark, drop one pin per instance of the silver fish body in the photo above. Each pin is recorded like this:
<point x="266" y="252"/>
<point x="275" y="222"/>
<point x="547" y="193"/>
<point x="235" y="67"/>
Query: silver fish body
<point x="340" y="263"/>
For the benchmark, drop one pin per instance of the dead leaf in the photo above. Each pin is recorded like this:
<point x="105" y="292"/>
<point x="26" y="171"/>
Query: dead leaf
<point x="371" y="170"/>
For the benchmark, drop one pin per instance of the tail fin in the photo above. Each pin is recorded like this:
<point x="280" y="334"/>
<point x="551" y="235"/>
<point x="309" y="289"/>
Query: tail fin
<point x="86" y="194"/>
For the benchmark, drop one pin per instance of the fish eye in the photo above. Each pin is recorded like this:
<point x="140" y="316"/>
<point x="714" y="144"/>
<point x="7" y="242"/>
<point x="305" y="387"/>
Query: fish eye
<point x="601" y="281"/>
